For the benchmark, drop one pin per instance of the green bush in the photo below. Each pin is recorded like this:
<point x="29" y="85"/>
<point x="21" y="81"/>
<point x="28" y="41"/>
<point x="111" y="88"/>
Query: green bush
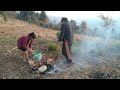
<point x="54" y="50"/>
<point x="55" y="54"/>
<point x="52" y="47"/>
<point x="58" y="35"/>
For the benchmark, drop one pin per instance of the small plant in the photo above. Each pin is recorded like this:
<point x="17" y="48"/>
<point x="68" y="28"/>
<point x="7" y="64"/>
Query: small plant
<point x="58" y="35"/>
<point x="52" y="47"/>
<point x="46" y="35"/>
<point x="53" y="50"/>
<point x="55" y="54"/>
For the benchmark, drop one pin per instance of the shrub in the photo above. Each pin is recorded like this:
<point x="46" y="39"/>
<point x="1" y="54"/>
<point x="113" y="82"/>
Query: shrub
<point x="58" y="35"/>
<point x="54" y="50"/>
<point x="52" y="47"/>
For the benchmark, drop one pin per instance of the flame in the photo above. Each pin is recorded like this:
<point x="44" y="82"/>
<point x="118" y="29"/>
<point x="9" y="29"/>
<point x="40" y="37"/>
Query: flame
<point x="49" y="60"/>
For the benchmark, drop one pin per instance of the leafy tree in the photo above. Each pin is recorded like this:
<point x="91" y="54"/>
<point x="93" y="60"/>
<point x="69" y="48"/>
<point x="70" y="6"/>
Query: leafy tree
<point x="4" y="14"/>
<point x="43" y="17"/>
<point x="107" y="21"/>
<point x="74" y="26"/>
<point x="83" y="27"/>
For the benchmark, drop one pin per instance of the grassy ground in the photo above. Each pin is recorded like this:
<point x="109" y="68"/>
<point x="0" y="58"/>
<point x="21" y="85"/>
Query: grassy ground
<point x="13" y="68"/>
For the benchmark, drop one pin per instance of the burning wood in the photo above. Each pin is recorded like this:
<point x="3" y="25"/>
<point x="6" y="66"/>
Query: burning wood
<point x="49" y="60"/>
<point x="31" y="62"/>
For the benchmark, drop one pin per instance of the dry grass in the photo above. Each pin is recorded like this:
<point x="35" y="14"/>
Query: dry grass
<point x="11" y="68"/>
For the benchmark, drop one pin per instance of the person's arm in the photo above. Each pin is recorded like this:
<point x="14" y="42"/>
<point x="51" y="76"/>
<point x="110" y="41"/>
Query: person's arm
<point x="30" y="45"/>
<point x="62" y="33"/>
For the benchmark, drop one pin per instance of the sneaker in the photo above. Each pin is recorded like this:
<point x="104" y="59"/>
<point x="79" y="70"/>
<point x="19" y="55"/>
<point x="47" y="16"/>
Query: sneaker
<point x="67" y="62"/>
<point x="26" y="60"/>
<point x="70" y="60"/>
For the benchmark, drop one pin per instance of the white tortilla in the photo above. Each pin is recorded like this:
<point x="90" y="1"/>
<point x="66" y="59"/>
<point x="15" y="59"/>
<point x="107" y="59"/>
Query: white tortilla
<point x="42" y="68"/>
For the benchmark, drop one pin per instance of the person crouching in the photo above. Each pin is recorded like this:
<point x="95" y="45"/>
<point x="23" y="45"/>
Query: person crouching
<point x="25" y="45"/>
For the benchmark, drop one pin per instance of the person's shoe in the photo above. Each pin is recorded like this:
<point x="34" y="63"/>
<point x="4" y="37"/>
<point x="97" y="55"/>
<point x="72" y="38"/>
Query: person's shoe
<point x="26" y="60"/>
<point x="67" y="62"/>
<point x="70" y="60"/>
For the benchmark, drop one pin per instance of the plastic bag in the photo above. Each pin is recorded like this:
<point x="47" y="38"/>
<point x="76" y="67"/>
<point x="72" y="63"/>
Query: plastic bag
<point x="37" y="56"/>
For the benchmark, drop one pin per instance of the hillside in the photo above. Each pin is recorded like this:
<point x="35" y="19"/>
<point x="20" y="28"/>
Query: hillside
<point x="19" y="28"/>
<point x="11" y="67"/>
<point x="84" y="54"/>
<point x="16" y="28"/>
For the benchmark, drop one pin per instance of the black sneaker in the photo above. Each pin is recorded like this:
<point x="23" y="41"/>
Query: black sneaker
<point x="67" y="62"/>
<point x="70" y="60"/>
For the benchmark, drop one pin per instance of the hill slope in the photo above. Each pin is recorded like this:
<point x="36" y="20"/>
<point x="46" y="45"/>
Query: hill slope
<point x="17" y="28"/>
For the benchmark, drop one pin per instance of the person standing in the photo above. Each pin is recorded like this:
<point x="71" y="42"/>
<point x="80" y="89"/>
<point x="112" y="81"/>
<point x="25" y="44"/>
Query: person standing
<point x="65" y="36"/>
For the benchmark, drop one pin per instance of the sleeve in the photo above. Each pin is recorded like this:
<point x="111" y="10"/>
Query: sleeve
<point x="30" y="45"/>
<point x="62" y="33"/>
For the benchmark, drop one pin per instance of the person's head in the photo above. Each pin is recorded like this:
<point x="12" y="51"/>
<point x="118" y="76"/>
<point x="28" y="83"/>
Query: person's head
<point x="32" y="35"/>
<point x="64" y="19"/>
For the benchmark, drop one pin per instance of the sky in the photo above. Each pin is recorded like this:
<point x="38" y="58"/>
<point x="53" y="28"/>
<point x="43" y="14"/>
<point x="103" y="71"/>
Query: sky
<point x="82" y="14"/>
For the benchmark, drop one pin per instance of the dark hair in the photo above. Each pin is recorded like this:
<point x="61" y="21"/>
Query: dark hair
<point x="32" y="35"/>
<point x="64" y="19"/>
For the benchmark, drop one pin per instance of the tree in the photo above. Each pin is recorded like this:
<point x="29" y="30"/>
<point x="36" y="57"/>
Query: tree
<point x="73" y="22"/>
<point x="29" y="19"/>
<point x="29" y="16"/>
<point x="11" y="14"/>
<point x="4" y="14"/>
<point x="43" y="17"/>
<point x="95" y="31"/>
<point x="23" y="15"/>
<point x="83" y="27"/>
<point x="108" y="22"/>
<point x="74" y="26"/>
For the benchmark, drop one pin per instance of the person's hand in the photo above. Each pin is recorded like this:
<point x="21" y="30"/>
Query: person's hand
<point x="49" y="60"/>
<point x="30" y="51"/>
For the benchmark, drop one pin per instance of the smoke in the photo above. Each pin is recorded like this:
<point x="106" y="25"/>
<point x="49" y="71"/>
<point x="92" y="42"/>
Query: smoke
<point x="103" y="48"/>
<point x="98" y="46"/>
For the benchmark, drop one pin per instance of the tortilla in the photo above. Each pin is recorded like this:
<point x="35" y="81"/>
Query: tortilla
<point x="43" y="68"/>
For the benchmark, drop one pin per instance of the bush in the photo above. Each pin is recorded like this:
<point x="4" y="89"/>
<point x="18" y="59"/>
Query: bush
<point x="58" y="35"/>
<point x="52" y="47"/>
<point x="54" y="50"/>
<point x="55" y="55"/>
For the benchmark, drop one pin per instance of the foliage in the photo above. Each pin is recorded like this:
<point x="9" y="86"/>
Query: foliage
<point x="107" y="21"/>
<point x="54" y="50"/>
<point x="58" y="35"/>
<point x="83" y="27"/>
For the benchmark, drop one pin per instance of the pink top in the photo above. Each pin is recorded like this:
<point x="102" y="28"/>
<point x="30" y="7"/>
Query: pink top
<point x="24" y="41"/>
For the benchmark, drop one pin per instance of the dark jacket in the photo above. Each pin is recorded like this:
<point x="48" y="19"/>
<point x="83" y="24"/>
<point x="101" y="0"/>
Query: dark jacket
<point x="65" y="33"/>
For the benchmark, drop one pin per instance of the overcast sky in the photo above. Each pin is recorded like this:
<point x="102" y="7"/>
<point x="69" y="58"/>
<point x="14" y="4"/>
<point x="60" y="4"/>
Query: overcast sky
<point x="81" y="14"/>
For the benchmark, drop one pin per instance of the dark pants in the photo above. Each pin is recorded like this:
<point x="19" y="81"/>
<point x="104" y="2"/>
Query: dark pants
<point x="64" y="50"/>
<point x="22" y="49"/>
